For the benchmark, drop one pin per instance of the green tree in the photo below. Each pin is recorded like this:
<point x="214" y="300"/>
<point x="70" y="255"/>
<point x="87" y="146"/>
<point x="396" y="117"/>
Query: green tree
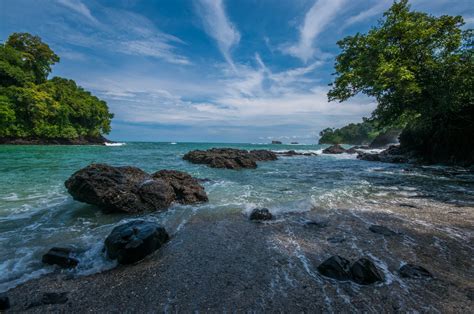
<point x="419" y="68"/>
<point x="37" y="55"/>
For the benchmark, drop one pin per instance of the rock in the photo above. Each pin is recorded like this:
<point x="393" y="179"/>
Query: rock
<point x="229" y="158"/>
<point x="364" y="272"/>
<point x="393" y="154"/>
<point x="294" y="143"/>
<point x="60" y="256"/>
<point x="382" y="230"/>
<point x="335" y="267"/>
<point x="186" y="188"/>
<point x="317" y="224"/>
<point x="276" y="142"/>
<point x="414" y="271"/>
<point x="356" y="149"/>
<point x="336" y="239"/>
<point x="54" y="298"/>
<point x="334" y="149"/>
<point x="261" y="214"/>
<point x="131" y="190"/>
<point x="385" y="139"/>
<point x="4" y="303"/>
<point x="368" y="156"/>
<point x="132" y="241"/>
<point x="291" y="153"/>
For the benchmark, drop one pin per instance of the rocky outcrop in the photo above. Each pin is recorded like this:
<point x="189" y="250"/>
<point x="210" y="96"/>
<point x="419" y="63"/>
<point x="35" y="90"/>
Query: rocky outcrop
<point x="261" y="214"/>
<point x="229" y="158"/>
<point x="393" y="154"/>
<point x="414" y="271"/>
<point x="356" y="149"/>
<point x="291" y="153"/>
<point x="132" y="241"/>
<point x="363" y="271"/>
<point x="60" y="256"/>
<point x="131" y="190"/>
<point x="385" y="139"/>
<point x="334" y="149"/>
<point x="187" y="189"/>
<point x="82" y="140"/>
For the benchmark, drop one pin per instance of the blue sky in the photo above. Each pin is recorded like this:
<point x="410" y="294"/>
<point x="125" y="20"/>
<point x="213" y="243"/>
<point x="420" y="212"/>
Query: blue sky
<point x="209" y="70"/>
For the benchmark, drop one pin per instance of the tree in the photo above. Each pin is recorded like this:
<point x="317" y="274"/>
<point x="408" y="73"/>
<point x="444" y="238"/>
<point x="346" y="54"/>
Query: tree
<point x="419" y="68"/>
<point x="37" y="55"/>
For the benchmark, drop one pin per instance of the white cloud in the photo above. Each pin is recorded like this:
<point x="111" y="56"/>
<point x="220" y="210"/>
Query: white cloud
<point x="321" y="14"/>
<point x="80" y="8"/>
<point x="218" y="26"/>
<point x="377" y="9"/>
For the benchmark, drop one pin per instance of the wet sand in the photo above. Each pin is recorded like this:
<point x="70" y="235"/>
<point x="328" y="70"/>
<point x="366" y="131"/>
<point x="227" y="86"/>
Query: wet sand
<point x="219" y="263"/>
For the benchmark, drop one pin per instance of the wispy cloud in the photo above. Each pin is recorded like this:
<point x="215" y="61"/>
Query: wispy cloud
<point x="217" y="25"/>
<point x="316" y="20"/>
<point x="377" y="9"/>
<point x="80" y="8"/>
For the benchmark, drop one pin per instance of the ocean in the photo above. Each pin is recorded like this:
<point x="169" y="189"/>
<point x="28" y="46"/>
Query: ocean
<point x="37" y="213"/>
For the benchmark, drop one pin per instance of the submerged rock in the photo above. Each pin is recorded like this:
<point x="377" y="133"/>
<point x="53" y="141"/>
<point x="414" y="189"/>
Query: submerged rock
<point x="261" y="214"/>
<point x="335" y="267"/>
<point x="334" y="149"/>
<point x="4" y="303"/>
<point x="382" y="230"/>
<point x="229" y="158"/>
<point x="60" y="256"/>
<point x="131" y="190"/>
<point x="414" y="271"/>
<point x="132" y="241"/>
<point x="364" y="272"/>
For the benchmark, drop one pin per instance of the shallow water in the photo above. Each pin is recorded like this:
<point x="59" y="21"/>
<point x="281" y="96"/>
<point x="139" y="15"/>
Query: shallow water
<point x="36" y="212"/>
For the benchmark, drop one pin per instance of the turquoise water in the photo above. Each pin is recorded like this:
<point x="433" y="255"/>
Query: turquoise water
<point x="37" y="213"/>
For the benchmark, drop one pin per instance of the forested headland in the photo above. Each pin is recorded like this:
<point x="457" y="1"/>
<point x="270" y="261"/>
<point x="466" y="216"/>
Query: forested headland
<point x="38" y="110"/>
<point x="419" y="68"/>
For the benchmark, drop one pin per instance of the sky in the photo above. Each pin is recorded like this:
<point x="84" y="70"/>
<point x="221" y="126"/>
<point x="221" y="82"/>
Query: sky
<point x="247" y="71"/>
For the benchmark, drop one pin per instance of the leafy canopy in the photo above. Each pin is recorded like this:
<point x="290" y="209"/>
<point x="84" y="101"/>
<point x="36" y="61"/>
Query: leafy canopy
<point x="33" y="106"/>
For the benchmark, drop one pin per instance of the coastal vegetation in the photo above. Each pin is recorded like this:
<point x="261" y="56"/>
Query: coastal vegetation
<point x="35" y="107"/>
<point x="420" y="69"/>
<point x="353" y="133"/>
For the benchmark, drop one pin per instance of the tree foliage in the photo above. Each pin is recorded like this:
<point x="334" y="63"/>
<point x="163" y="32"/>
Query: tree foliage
<point x="419" y="68"/>
<point x="353" y="133"/>
<point x="33" y="106"/>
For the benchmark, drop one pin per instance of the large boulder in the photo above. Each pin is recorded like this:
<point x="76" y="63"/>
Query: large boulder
<point x="364" y="272"/>
<point x="127" y="189"/>
<point x="335" y="267"/>
<point x="334" y="149"/>
<point x="132" y="241"/>
<point x="385" y="139"/>
<point x="60" y="256"/>
<point x="186" y="188"/>
<point x="229" y="158"/>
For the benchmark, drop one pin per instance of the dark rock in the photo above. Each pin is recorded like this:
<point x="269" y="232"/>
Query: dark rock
<point x="393" y="154"/>
<point x="414" y="271"/>
<point x="276" y="142"/>
<point x="382" y="230"/>
<point x="54" y="298"/>
<point x="4" y="303"/>
<point x="334" y="149"/>
<point x="356" y="149"/>
<point x="317" y="224"/>
<point x="60" y="256"/>
<point x="129" y="189"/>
<point x="229" y="158"/>
<point x="291" y="153"/>
<point x="261" y="214"/>
<point x="294" y="143"/>
<point x="364" y="272"/>
<point x="132" y="241"/>
<point x="407" y="205"/>
<point x="385" y="139"/>
<point x="335" y="267"/>
<point x="186" y="188"/>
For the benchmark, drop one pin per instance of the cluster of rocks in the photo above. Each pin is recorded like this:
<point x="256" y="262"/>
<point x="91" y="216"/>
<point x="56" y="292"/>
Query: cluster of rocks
<point x="338" y="149"/>
<point x="393" y="154"/>
<point x="131" y="190"/>
<point x="229" y="158"/>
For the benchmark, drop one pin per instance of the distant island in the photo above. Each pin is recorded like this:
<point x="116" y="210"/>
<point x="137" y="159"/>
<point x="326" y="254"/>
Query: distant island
<point x="353" y="133"/>
<point x="38" y="110"/>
